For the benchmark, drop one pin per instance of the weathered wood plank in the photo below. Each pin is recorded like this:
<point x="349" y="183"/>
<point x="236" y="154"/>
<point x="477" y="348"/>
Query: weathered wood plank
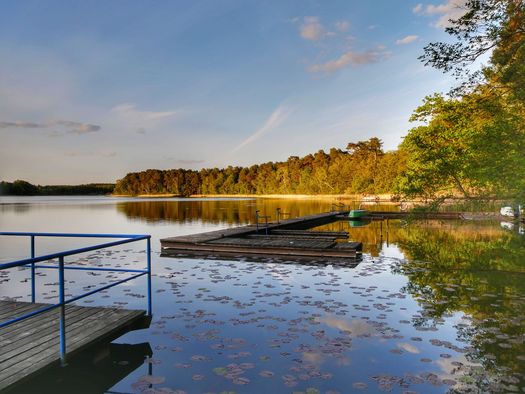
<point x="291" y="237"/>
<point x="37" y="322"/>
<point x="239" y="251"/>
<point x="78" y="340"/>
<point x="33" y="344"/>
<point x="23" y="339"/>
<point x="74" y="330"/>
<point x="17" y="309"/>
<point x="275" y="242"/>
<point x="309" y="233"/>
<point x="49" y="354"/>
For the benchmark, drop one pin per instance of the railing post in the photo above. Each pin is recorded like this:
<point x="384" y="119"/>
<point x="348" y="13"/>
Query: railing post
<point x="257" y="220"/>
<point x="33" y="285"/>
<point x="266" y="223"/>
<point x="278" y="213"/>
<point x="62" y="310"/>
<point x="148" y="252"/>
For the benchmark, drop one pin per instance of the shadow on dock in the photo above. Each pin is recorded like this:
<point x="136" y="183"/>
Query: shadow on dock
<point x="95" y="370"/>
<point x="266" y="259"/>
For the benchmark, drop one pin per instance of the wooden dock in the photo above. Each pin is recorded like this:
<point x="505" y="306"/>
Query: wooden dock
<point x="32" y="344"/>
<point x="383" y="215"/>
<point x="288" y="238"/>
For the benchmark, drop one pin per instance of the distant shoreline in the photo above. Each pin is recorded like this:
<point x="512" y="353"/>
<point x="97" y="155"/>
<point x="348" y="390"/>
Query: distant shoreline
<point x="374" y="198"/>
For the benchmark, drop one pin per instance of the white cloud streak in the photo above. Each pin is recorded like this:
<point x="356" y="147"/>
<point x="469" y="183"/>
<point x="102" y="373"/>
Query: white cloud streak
<point x="350" y="58"/>
<point x="342" y="26"/>
<point x="91" y="154"/>
<point x="127" y="116"/>
<point x="312" y="29"/>
<point x="451" y="10"/>
<point x="128" y="109"/>
<point x="277" y="117"/>
<point x="71" y="126"/>
<point x="407" y="40"/>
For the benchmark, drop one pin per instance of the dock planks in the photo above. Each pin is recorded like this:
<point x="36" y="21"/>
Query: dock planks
<point x="287" y="238"/>
<point x="32" y="344"/>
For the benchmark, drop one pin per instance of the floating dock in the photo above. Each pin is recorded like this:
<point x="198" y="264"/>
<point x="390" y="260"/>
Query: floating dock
<point x="383" y="215"/>
<point x="33" y="344"/>
<point x="287" y="238"/>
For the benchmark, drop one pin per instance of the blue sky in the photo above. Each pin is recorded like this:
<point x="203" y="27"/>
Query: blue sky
<point x="91" y="90"/>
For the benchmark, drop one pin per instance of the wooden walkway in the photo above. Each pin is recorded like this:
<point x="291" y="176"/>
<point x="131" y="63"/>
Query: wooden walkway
<point x="382" y="215"/>
<point x="32" y="344"/>
<point x="288" y="238"/>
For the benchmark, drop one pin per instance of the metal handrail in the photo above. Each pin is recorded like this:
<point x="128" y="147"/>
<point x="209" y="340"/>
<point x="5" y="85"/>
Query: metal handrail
<point x="279" y="213"/>
<point x="336" y="205"/>
<point x="257" y="217"/>
<point x="61" y="268"/>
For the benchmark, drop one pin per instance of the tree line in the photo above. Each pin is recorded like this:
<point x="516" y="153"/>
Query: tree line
<point x="24" y="188"/>
<point x="362" y="168"/>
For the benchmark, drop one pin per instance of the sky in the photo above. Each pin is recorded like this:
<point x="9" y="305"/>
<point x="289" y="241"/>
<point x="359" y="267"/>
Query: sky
<point x="92" y="90"/>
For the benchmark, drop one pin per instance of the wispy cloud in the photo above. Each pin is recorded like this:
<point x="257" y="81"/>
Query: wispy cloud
<point x="342" y="26"/>
<point x="186" y="161"/>
<point x="312" y="29"/>
<point x="77" y="127"/>
<point x="90" y="154"/>
<point x="21" y="125"/>
<point x="278" y="116"/>
<point x="350" y="58"/>
<point x="408" y="347"/>
<point x="69" y="126"/>
<point x="127" y="116"/>
<point x="450" y="10"/>
<point x="129" y="109"/>
<point x="407" y="40"/>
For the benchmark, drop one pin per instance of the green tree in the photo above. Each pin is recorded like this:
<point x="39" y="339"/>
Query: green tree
<point x="486" y="25"/>
<point x="474" y="146"/>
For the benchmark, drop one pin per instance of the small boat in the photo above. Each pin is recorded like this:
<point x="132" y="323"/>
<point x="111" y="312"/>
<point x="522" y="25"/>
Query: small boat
<point x="357" y="213"/>
<point x="507" y="211"/>
<point x="359" y="223"/>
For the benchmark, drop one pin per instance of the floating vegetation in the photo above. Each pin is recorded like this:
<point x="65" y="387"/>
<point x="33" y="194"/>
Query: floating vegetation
<point x="390" y="324"/>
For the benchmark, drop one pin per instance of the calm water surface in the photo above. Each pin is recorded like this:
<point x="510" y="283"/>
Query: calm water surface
<point x="433" y="306"/>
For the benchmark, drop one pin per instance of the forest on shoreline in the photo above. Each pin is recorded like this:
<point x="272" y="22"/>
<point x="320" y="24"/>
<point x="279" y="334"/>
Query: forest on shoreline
<point x="361" y="169"/>
<point x="23" y="188"/>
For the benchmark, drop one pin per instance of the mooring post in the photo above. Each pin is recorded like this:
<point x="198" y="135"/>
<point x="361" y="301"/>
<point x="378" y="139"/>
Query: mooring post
<point x="33" y="285"/>
<point x="278" y="213"/>
<point x="257" y="220"/>
<point x="148" y="252"/>
<point x="150" y="372"/>
<point x="266" y="223"/>
<point x="387" y="233"/>
<point x="61" y="296"/>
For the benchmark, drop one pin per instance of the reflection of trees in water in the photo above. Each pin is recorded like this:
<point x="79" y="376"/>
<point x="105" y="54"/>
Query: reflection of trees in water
<point x="236" y="211"/>
<point x="452" y="266"/>
<point x="17" y="208"/>
<point x="477" y="269"/>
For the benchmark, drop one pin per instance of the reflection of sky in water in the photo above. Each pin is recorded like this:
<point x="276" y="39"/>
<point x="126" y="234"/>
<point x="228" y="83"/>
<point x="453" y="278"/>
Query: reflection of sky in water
<point x="392" y="251"/>
<point x="254" y="327"/>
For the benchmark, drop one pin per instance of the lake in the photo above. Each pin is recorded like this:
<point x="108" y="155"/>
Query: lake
<point x="432" y="307"/>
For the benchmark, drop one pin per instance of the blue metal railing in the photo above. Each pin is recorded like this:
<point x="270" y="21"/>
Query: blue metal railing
<point x="123" y="239"/>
